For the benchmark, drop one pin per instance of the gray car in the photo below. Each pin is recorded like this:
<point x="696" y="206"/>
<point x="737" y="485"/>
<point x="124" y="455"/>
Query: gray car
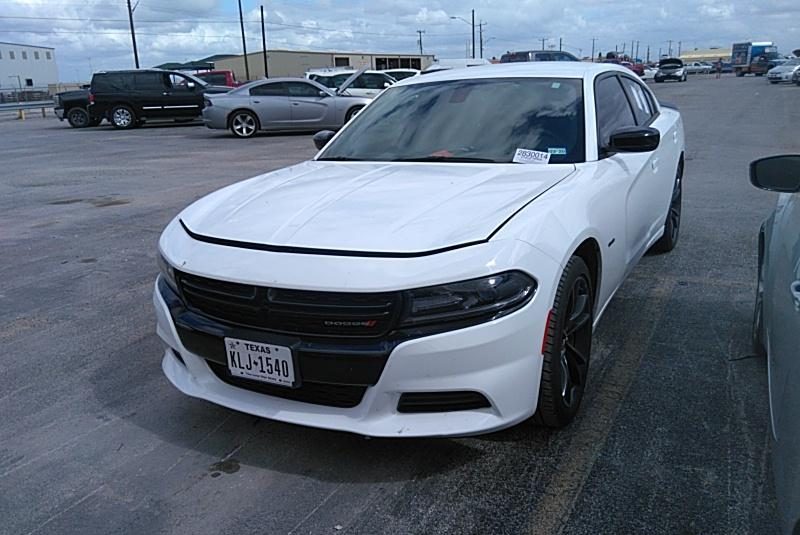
<point x="280" y="104"/>
<point x="776" y="325"/>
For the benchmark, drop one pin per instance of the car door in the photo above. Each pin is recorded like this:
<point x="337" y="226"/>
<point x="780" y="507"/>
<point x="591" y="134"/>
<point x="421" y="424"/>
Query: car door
<point x="662" y="162"/>
<point x="782" y="313"/>
<point x="149" y="94"/>
<point x="270" y="101"/>
<point x="182" y="96"/>
<point x="310" y="107"/>
<point x="638" y="177"/>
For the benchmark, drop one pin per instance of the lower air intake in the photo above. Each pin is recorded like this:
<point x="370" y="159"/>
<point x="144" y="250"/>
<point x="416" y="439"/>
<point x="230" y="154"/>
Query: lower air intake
<point x="441" y="402"/>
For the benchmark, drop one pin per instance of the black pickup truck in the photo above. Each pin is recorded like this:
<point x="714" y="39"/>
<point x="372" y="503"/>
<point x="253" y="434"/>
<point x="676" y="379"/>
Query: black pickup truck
<point x="73" y="106"/>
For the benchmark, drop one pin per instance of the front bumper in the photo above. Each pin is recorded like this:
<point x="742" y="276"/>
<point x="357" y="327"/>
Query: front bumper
<point x="780" y="77"/>
<point x="59" y="113"/>
<point x="669" y="76"/>
<point x="500" y="360"/>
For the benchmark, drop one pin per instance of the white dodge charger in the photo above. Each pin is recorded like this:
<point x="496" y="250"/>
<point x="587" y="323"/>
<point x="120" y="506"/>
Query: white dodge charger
<point x="438" y="268"/>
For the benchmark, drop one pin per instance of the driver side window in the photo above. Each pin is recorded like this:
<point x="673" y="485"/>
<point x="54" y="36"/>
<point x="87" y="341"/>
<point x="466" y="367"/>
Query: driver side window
<point x="177" y="82"/>
<point x="612" y="108"/>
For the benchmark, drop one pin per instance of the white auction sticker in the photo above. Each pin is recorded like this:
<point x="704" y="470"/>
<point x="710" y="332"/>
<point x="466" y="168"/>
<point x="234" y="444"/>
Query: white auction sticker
<point x="531" y="156"/>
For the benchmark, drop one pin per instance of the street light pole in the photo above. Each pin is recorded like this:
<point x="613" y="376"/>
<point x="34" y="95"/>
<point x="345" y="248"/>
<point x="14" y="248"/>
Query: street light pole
<point x="133" y="33"/>
<point x="244" y="43"/>
<point x="264" y="43"/>
<point x="473" y="34"/>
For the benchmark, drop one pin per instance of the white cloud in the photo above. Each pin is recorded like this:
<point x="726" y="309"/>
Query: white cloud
<point x="179" y="30"/>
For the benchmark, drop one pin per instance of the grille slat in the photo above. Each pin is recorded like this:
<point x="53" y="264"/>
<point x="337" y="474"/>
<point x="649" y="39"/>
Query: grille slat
<point x="300" y="312"/>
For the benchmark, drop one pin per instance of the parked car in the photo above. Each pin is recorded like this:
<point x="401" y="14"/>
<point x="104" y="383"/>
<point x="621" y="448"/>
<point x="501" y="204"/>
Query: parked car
<point x="458" y="63"/>
<point x="219" y="78"/>
<point x="784" y="72"/>
<point x="537" y="55"/>
<point x="401" y="74"/>
<point x="670" y="69"/>
<point x="649" y="72"/>
<point x="638" y="68"/>
<point x="698" y="67"/>
<point x="129" y="98"/>
<point x="281" y="104"/>
<point x="367" y="84"/>
<point x="796" y="77"/>
<point x="436" y="268"/>
<point x="776" y="324"/>
<point x="73" y="106"/>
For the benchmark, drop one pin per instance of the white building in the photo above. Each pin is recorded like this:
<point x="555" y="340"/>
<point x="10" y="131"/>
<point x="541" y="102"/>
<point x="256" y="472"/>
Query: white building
<point x="27" y="66"/>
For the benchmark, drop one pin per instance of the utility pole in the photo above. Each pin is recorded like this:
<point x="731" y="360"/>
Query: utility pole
<point x="679" y="48"/>
<point x="244" y="43"/>
<point x="659" y="53"/>
<point x="264" y="43"/>
<point x="133" y="33"/>
<point x="637" y="51"/>
<point x="420" y="32"/>
<point x="473" y="34"/>
<point x="543" y="39"/>
<point x="593" y="41"/>
<point x="480" y="33"/>
<point x="669" y="50"/>
<point x="648" y="53"/>
<point x="560" y="43"/>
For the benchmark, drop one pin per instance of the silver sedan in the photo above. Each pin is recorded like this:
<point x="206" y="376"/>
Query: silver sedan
<point x="776" y="325"/>
<point x="280" y="104"/>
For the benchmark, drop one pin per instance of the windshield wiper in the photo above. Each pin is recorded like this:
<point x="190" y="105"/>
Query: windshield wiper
<point x="452" y="159"/>
<point x="340" y="159"/>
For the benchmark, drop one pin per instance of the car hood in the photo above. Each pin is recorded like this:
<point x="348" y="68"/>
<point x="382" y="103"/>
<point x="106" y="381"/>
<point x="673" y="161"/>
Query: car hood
<point x="405" y="208"/>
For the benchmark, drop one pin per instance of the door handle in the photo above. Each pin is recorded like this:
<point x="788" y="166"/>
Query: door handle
<point x="256" y="102"/>
<point x="295" y="103"/>
<point x="166" y="93"/>
<point x="796" y="295"/>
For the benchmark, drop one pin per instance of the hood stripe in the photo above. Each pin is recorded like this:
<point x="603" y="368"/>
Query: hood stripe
<point x="323" y="252"/>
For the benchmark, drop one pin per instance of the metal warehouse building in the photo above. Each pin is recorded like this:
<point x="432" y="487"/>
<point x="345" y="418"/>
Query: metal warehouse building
<point x="27" y="66"/>
<point x="296" y="63"/>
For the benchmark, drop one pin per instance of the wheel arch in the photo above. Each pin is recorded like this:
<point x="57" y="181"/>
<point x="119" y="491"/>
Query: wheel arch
<point x="589" y="251"/>
<point x="229" y="119"/>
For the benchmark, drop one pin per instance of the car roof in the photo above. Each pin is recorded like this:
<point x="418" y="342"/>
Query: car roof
<point x="530" y="69"/>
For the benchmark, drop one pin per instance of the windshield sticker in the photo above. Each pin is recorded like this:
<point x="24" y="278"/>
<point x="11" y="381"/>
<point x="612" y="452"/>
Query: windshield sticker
<point x="558" y="151"/>
<point x="531" y="156"/>
<point x="556" y="85"/>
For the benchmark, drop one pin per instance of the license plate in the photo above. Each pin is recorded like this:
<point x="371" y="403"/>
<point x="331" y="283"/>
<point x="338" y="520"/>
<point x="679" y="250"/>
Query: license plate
<point x="260" y="362"/>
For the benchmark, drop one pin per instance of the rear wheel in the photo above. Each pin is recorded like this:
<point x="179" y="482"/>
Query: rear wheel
<point x="244" y="124"/>
<point x="352" y="112"/>
<point x="758" y="311"/>
<point x="672" y="226"/>
<point x="122" y="117"/>
<point x="78" y="118"/>
<point x="568" y="343"/>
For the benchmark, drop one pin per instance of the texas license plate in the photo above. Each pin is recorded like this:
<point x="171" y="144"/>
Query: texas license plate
<point x="260" y="362"/>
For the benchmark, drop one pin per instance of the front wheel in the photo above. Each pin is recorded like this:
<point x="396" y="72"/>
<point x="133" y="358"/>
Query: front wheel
<point x="244" y="124"/>
<point x="122" y="117"/>
<point x="567" y="345"/>
<point x="352" y="112"/>
<point x="672" y="226"/>
<point x="78" y="118"/>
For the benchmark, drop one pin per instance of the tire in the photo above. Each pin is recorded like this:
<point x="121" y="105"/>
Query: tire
<point x="78" y="118"/>
<point x="567" y="347"/>
<point x="243" y="124"/>
<point x="122" y="117"/>
<point x="759" y="349"/>
<point x="773" y="82"/>
<point x="352" y="113"/>
<point x="739" y="74"/>
<point x="672" y="226"/>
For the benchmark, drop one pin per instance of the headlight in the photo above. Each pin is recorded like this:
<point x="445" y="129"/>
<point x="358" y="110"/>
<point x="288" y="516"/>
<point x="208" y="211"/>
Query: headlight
<point x="167" y="271"/>
<point x="470" y="302"/>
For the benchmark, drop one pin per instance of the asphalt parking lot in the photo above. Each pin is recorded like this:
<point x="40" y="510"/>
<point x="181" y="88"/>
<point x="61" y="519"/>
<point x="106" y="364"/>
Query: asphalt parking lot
<point x="672" y="436"/>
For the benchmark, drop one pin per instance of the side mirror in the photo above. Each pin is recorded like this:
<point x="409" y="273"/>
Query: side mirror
<point x="323" y="94"/>
<point x="634" y="139"/>
<point x="191" y="85"/>
<point x="321" y="138"/>
<point x="777" y="173"/>
<point x="387" y="84"/>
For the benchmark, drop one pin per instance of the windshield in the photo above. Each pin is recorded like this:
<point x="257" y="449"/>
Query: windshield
<point x="515" y="57"/>
<point x="477" y="120"/>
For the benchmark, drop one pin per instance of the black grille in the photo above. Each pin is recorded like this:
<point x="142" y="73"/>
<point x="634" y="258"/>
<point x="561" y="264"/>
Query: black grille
<point x="342" y="396"/>
<point x="327" y="314"/>
<point x="441" y="401"/>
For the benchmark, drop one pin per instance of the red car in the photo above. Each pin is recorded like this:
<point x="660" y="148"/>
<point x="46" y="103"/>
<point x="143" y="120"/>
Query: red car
<point x="219" y="78"/>
<point x="638" y="68"/>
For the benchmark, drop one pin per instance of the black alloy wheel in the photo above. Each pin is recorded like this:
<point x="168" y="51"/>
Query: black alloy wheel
<point x="568" y="344"/>
<point x="78" y="118"/>
<point x="672" y="226"/>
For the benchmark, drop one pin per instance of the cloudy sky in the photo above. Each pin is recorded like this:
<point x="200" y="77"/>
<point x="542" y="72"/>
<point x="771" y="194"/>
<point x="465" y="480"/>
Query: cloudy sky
<point x="93" y="34"/>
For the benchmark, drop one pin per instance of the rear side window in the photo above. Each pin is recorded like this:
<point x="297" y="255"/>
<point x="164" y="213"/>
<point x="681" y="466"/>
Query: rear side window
<point x="106" y="83"/>
<point x="612" y="108"/>
<point x="369" y="81"/>
<point x="214" y="79"/>
<point x="144" y="81"/>
<point x="544" y="56"/>
<point x="301" y="89"/>
<point x="642" y="107"/>
<point x="277" y="89"/>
